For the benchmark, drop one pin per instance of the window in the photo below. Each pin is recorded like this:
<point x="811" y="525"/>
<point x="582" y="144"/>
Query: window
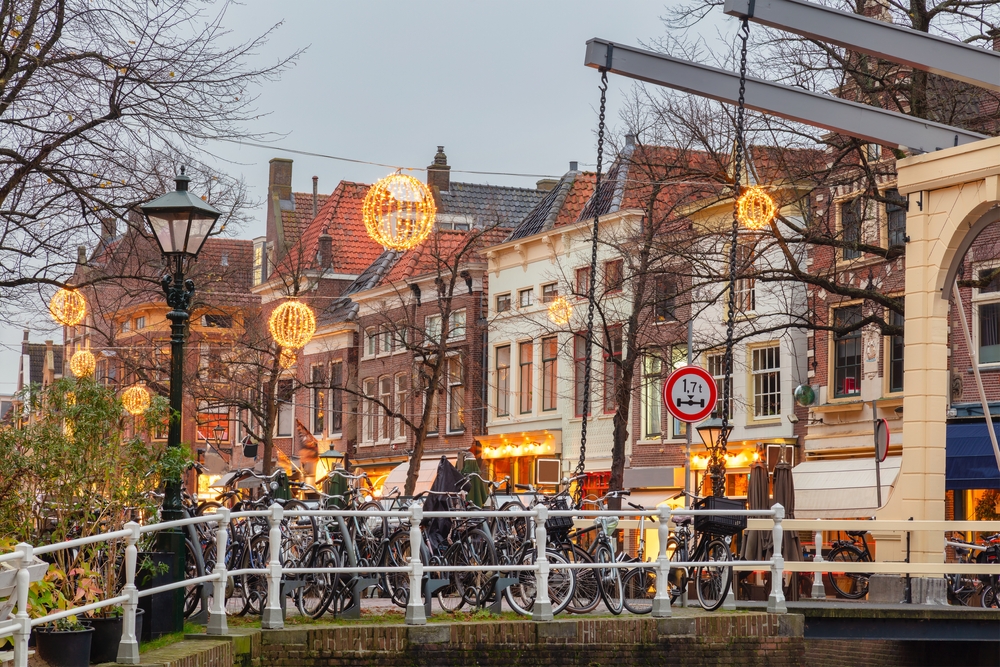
<point x="525" y="360"/>
<point x="336" y="397"/>
<point x="126" y="326"/>
<point x="400" y="404"/>
<point x="652" y="399"/>
<point x="432" y="419"/>
<point x="503" y="381"/>
<point x="139" y="323"/>
<point x="678" y="358"/>
<point x="208" y="422"/>
<point x="456" y="395"/>
<point x="850" y="225"/>
<point x="895" y="354"/>
<point x="716" y="368"/>
<point x="746" y="284"/>
<point x="368" y="413"/>
<point x="847" y="353"/>
<point x="987" y="311"/>
<point x="217" y="321"/>
<point x="665" y="290"/>
<point x="385" y="426"/>
<point x="765" y="368"/>
<point x="259" y="271"/>
<point x="614" y="275"/>
<point x="550" y="376"/>
<point x="386" y="342"/>
<point x="525" y="298"/>
<point x="582" y="281"/>
<point x="456" y="325"/>
<point x="503" y="303"/>
<point x="318" y="400"/>
<point x="895" y="214"/>
<point x="400" y="340"/>
<point x="579" y="367"/>
<point x="371" y="342"/>
<point x="286" y="409"/>
<point x="432" y="329"/>
<point x="612" y="367"/>
<point x="550" y="292"/>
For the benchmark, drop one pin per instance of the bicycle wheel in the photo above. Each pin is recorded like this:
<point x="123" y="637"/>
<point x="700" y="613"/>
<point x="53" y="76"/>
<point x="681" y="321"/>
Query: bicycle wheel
<point x="610" y="579"/>
<point x="192" y="594"/>
<point x="207" y="507"/>
<point x="988" y="598"/>
<point x="397" y="554"/>
<point x="678" y="577"/>
<point x="255" y="585"/>
<point x="313" y="597"/>
<point x="521" y="596"/>
<point x="587" y="594"/>
<point x="850" y="585"/>
<point x="369" y="533"/>
<point x="712" y="581"/>
<point x="304" y="527"/>
<point x="639" y="589"/>
<point x="480" y="553"/>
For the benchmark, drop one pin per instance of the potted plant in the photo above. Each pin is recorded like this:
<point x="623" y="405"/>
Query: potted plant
<point x="62" y="643"/>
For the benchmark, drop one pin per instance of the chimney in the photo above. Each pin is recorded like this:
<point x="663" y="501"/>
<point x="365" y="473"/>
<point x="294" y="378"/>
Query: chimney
<point x="439" y="173"/>
<point x="315" y="195"/>
<point x="995" y="34"/>
<point x="81" y="255"/>
<point x="279" y="178"/>
<point x="324" y="253"/>
<point x="574" y="166"/>
<point x="109" y="229"/>
<point x="547" y="184"/>
<point x="49" y="369"/>
<point x="630" y="140"/>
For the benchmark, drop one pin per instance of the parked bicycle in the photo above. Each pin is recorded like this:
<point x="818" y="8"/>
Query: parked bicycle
<point x="850" y="585"/>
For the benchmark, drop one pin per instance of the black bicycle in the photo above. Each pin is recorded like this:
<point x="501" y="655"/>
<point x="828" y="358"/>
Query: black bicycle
<point x="850" y="585"/>
<point x="712" y="580"/>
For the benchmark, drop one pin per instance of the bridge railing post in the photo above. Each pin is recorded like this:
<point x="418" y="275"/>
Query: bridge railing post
<point x="217" y="623"/>
<point x="415" y="604"/>
<point x="22" y="582"/>
<point x="776" y="600"/>
<point x="273" y="619"/>
<point x="818" y="591"/>
<point x="128" y="648"/>
<point x="542" y="609"/>
<point x="661" y="602"/>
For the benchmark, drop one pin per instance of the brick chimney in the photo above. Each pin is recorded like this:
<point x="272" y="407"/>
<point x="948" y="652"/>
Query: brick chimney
<point x="439" y="173"/>
<point x="109" y="229"/>
<point x="995" y="34"/>
<point x="315" y="195"/>
<point x="279" y="179"/>
<point x="324" y="251"/>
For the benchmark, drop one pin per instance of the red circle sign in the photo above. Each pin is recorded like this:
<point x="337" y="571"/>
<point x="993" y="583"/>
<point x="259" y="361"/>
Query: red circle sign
<point x="881" y="439"/>
<point x="690" y="393"/>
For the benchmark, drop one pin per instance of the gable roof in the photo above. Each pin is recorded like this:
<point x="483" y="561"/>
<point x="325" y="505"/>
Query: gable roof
<point x="343" y="309"/>
<point x="491" y="204"/>
<point x="296" y="214"/>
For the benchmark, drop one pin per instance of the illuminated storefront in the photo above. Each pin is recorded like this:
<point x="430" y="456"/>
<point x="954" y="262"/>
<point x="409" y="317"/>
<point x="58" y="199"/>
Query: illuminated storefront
<point x="529" y="457"/>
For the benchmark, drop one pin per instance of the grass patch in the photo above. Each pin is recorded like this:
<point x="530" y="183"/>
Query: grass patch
<point x="173" y="638"/>
<point x="379" y="617"/>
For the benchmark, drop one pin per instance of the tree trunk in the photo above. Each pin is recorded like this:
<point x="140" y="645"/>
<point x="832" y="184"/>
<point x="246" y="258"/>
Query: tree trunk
<point x="270" y="411"/>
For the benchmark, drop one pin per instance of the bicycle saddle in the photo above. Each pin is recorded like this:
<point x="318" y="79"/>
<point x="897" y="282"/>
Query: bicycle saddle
<point x="682" y="520"/>
<point x="857" y="533"/>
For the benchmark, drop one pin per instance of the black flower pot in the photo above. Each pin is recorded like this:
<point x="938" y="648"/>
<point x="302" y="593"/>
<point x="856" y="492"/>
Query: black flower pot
<point x="159" y="607"/>
<point x="64" y="648"/>
<point x="108" y="635"/>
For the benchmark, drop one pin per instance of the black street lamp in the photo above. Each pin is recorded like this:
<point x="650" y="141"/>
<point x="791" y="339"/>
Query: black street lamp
<point x="715" y="434"/>
<point x="180" y="223"/>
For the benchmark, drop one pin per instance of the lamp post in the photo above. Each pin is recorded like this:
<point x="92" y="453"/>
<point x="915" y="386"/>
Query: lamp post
<point x="715" y="434"/>
<point x="180" y="223"/>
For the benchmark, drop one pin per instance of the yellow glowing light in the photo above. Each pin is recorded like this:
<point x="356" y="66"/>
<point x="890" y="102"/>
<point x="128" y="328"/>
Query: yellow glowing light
<point x="560" y="310"/>
<point x="68" y="307"/>
<point x="287" y="358"/>
<point x="136" y="399"/>
<point x="756" y="456"/>
<point x="292" y="324"/>
<point x="399" y="212"/>
<point x="82" y="363"/>
<point x="755" y="208"/>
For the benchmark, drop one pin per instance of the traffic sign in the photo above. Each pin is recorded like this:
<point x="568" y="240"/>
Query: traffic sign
<point x="881" y="439"/>
<point x="690" y="393"/>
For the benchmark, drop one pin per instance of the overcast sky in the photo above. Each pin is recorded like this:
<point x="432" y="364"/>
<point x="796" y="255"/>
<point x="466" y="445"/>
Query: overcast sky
<point x="500" y="84"/>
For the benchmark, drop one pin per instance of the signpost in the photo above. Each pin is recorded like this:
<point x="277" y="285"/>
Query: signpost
<point x="881" y="450"/>
<point x="690" y="394"/>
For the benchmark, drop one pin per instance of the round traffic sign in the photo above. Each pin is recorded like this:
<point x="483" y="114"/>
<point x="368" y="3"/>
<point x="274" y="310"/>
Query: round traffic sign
<point x="881" y="439"/>
<point x="690" y="393"/>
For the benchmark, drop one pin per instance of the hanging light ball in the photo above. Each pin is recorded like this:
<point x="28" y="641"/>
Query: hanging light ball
<point x="399" y="212"/>
<point x="68" y="307"/>
<point x="560" y="310"/>
<point x="136" y="399"/>
<point x="755" y="208"/>
<point x="82" y="363"/>
<point x="292" y="324"/>
<point x="287" y="358"/>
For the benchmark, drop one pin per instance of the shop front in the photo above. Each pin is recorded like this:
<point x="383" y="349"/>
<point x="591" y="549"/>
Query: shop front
<point x="740" y="455"/>
<point x="526" y="457"/>
<point x="972" y="478"/>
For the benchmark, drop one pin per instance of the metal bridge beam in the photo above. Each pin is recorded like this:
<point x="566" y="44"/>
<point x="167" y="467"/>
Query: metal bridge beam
<point x="883" y="40"/>
<point x="868" y="123"/>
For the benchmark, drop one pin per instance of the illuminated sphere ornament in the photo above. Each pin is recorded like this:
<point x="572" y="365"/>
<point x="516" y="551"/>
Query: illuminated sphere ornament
<point x="755" y="209"/>
<point x="560" y="310"/>
<point x="399" y="212"/>
<point x="292" y="324"/>
<point x="82" y="363"/>
<point x="287" y="358"/>
<point x="136" y="399"/>
<point x="68" y="307"/>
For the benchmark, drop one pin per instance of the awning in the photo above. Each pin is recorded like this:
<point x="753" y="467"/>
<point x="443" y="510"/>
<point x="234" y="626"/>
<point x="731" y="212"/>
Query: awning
<point x="970" y="462"/>
<point x="841" y="489"/>
<point x="425" y="476"/>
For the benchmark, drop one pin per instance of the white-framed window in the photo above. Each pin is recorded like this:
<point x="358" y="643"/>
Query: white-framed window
<point x="368" y="412"/>
<point x="746" y="283"/>
<point x="503" y="302"/>
<point x="336" y="397"/>
<point x="401" y="337"/>
<point x="550" y="372"/>
<point x="259" y="262"/>
<point x="386" y="342"/>
<point x="126" y="326"/>
<point x="318" y="379"/>
<point x="456" y="325"/>
<point x="503" y="381"/>
<point x="549" y="292"/>
<point x="432" y="328"/>
<point x="139" y="323"/>
<point x="678" y="358"/>
<point x="765" y="371"/>
<point x="385" y="426"/>
<point x="715" y="365"/>
<point x="286" y="408"/>
<point x="456" y="395"/>
<point x="371" y="342"/>
<point x="652" y="398"/>
<point x="401" y="385"/>
<point x="986" y="314"/>
<point x="525" y="374"/>
<point x="526" y="298"/>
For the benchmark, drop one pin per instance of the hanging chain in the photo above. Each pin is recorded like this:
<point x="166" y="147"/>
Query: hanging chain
<point x="587" y="355"/>
<point x="739" y="152"/>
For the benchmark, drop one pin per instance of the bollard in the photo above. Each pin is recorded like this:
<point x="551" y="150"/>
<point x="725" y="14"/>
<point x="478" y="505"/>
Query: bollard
<point x="661" y="603"/>
<point x="272" y="618"/>
<point x="22" y="580"/>
<point x="217" y="624"/>
<point x="542" y="609"/>
<point x="818" y="591"/>
<point x="414" y="605"/>
<point x="776" y="600"/>
<point x="128" y="648"/>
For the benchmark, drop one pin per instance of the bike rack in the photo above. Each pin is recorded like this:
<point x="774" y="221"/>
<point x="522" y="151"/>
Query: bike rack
<point x="358" y="585"/>
<point x="501" y="584"/>
<point x="430" y="586"/>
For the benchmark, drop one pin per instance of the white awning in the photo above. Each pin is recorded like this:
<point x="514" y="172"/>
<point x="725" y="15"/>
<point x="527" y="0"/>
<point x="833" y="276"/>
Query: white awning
<point x="841" y="489"/>
<point x="425" y="476"/>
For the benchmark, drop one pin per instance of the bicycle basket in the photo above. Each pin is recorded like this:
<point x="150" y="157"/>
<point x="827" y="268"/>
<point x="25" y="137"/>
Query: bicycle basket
<point x="558" y="526"/>
<point x="720" y="525"/>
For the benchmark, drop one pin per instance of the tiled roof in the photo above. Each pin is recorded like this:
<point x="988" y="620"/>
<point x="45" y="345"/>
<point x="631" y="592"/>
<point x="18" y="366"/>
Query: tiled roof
<point x="492" y="204"/>
<point x="36" y="355"/>
<point x="297" y="214"/>
<point x="544" y="215"/>
<point x="343" y="309"/>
